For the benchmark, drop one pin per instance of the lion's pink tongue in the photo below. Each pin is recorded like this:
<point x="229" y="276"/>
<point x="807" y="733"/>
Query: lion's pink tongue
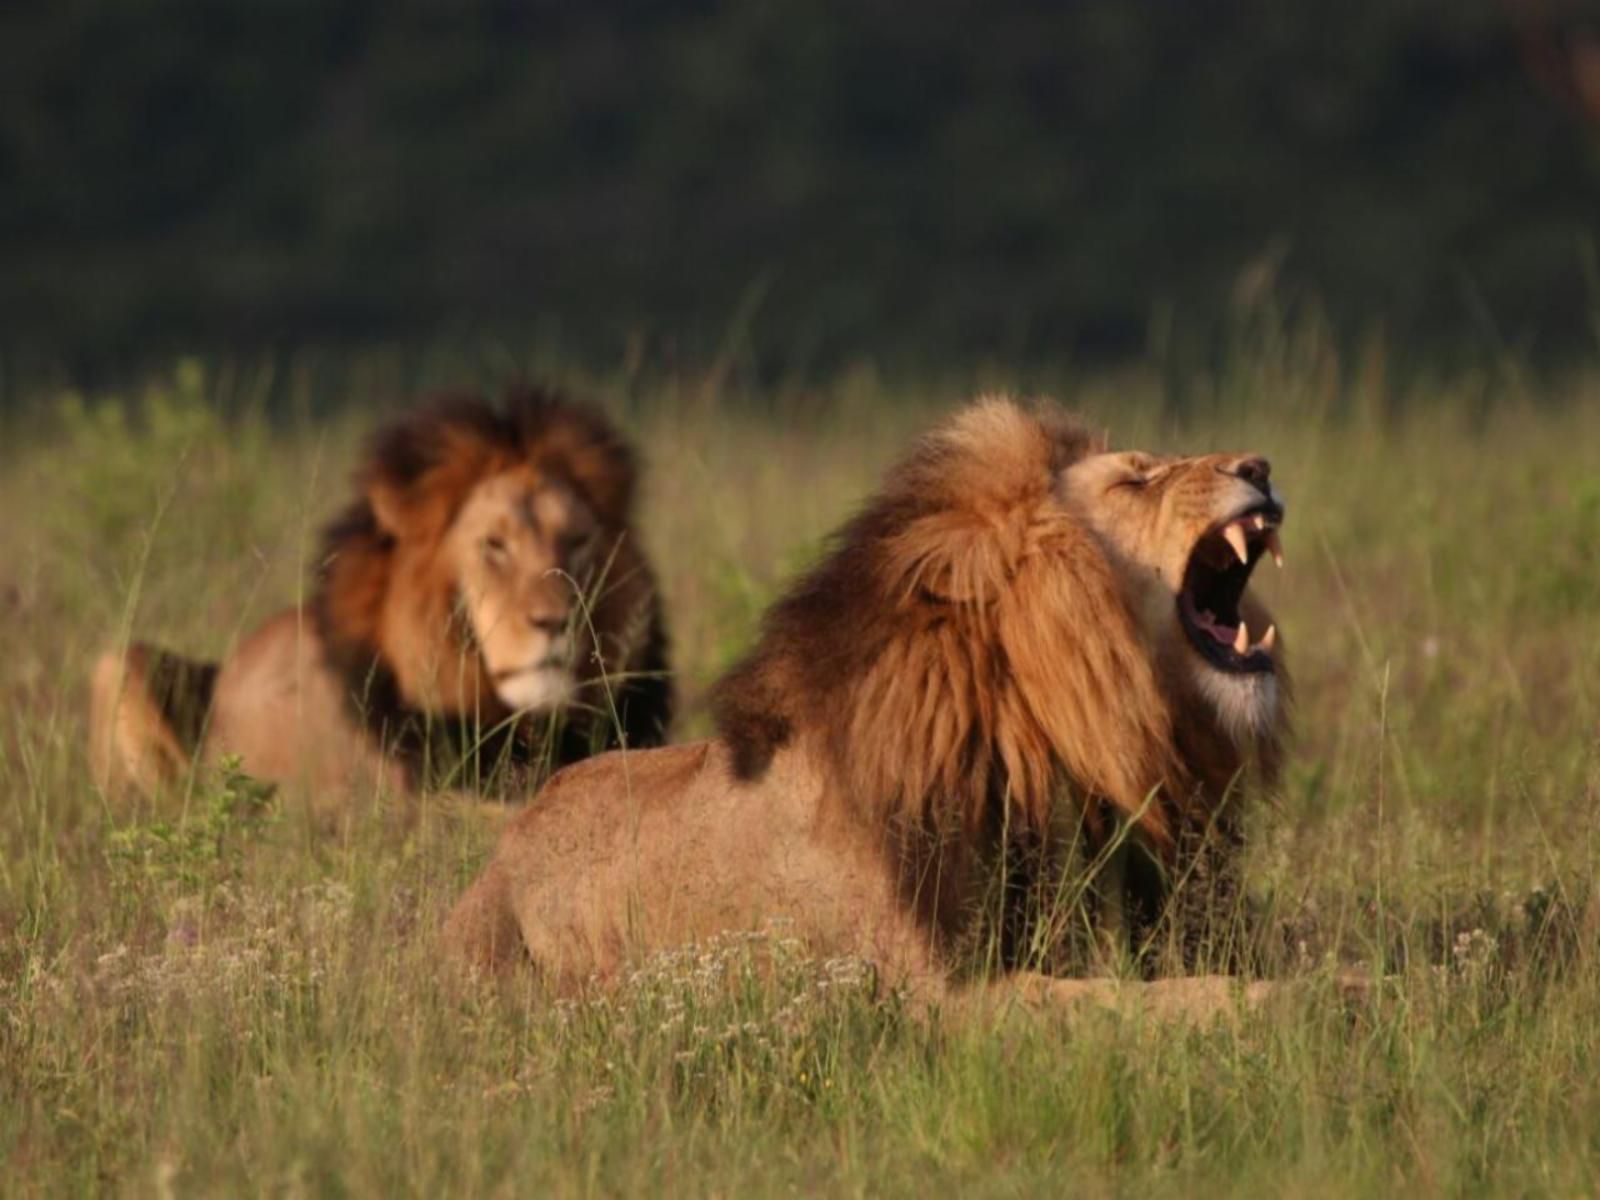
<point x="1207" y="620"/>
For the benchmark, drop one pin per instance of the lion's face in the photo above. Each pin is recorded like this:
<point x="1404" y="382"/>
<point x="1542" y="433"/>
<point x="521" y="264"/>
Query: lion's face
<point x="488" y="568"/>
<point x="522" y="548"/>
<point x="1188" y="533"/>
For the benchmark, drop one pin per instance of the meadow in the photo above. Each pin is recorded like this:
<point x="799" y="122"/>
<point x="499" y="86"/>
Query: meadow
<point x="213" y="994"/>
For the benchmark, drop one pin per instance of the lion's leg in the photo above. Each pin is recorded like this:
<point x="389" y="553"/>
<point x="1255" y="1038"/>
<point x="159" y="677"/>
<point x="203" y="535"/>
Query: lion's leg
<point x="1193" y="999"/>
<point x="1191" y="916"/>
<point x="146" y="710"/>
<point x="1186" y="915"/>
<point x="1181" y="1000"/>
<point x="1125" y="903"/>
<point x="481" y="933"/>
<point x="1143" y="901"/>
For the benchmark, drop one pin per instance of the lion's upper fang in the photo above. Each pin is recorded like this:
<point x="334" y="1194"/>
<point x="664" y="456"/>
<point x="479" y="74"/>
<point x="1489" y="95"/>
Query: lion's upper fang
<point x="1214" y="582"/>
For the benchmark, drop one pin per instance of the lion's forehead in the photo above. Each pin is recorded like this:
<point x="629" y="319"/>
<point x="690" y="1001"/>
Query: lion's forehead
<point x="1207" y="463"/>
<point x="1154" y="504"/>
<point x="525" y="503"/>
<point x="1198" y="473"/>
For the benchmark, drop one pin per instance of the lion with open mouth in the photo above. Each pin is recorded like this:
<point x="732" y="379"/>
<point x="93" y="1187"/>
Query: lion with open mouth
<point x="1024" y="640"/>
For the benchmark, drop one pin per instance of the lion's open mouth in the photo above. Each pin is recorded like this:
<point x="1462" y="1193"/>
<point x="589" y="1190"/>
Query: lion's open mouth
<point x="1218" y="571"/>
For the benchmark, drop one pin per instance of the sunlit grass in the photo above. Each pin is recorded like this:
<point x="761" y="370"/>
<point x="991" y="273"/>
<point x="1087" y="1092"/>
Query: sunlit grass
<point x="262" y="1010"/>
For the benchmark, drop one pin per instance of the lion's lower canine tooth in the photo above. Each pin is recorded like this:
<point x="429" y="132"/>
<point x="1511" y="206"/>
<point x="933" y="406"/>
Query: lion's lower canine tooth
<point x="1235" y="537"/>
<point x="1268" y="639"/>
<point x="1274" y="546"/>
<point x="1241" y="640"/>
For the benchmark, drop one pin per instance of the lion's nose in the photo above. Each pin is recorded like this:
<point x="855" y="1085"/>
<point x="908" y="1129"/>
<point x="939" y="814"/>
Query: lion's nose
<point x="1254" y="471"/>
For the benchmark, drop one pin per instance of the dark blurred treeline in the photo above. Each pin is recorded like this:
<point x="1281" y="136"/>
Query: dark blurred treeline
<point x="932" y="182"/>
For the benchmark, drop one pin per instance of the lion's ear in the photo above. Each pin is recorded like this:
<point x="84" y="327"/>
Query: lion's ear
<point x="947" y="557"/>
<point x="419" y="469"/>
<point x="405" y="505"/>
<point x="604" y="472"/>
<point x="389" y="507"/>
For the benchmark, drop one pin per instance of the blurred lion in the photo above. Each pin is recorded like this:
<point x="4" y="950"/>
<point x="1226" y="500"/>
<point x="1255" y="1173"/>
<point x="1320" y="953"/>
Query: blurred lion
<point x="482" y="603"/>
<point x="1022" y="640"/>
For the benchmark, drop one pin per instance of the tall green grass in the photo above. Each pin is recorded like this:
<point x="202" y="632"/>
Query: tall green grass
<point x="259" y="1009"/>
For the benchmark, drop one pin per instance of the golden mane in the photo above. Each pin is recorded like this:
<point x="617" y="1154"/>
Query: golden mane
<point x="967" y="645"/>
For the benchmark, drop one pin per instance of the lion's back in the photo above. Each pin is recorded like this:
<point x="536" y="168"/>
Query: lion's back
<point x="590" y="802"/>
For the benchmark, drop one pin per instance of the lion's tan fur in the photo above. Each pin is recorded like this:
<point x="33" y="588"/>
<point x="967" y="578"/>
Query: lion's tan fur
<point x="971" y="658"/>
<point x="340" y="691"/>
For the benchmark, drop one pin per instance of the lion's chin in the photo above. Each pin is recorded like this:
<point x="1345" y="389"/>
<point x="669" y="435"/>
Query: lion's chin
<point x="1246" y="704"/>
<point x="535" y="689"/>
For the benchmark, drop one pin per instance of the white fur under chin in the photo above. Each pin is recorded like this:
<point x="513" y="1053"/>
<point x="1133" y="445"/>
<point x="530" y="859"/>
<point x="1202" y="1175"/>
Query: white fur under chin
<point x="1246" y="704"/>
<point x="536" y="690"/>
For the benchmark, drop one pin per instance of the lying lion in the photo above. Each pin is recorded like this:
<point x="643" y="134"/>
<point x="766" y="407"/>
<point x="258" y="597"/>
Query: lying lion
<point x="483" y="601"/>
<point x="1019" y="624"/>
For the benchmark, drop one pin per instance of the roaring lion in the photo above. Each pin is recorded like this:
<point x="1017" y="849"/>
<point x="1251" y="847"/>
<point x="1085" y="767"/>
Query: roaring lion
<point x="483" y="602"/>
<point x="1022" y="640"/>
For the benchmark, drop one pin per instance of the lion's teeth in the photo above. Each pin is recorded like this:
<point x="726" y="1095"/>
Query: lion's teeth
<point x="1273" y="545"/>
<point x="1241" y="640"/>
<point x="1268" y="640"/>
<point x="1259" y="521"/>
<point x="1235" y="536"/>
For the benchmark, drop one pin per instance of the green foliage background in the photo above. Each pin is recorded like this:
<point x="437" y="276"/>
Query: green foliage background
<point x="944" y="183"/>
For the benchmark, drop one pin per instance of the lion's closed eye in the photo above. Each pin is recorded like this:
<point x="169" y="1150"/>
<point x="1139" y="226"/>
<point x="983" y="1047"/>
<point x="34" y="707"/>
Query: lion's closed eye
<point x="1140" y="471"/>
